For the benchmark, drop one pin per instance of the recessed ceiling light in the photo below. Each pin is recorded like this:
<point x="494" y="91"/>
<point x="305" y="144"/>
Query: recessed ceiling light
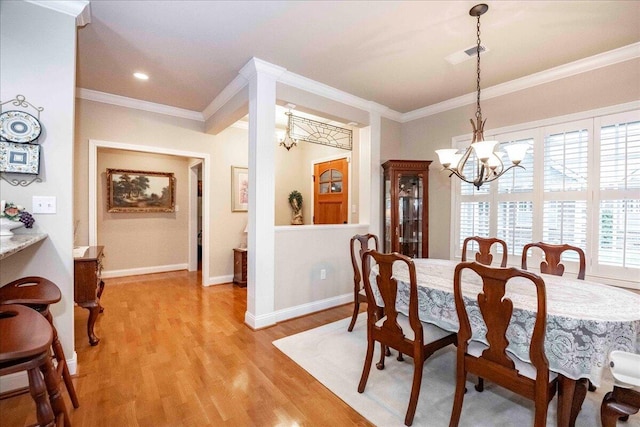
<point x="141" y="76"/>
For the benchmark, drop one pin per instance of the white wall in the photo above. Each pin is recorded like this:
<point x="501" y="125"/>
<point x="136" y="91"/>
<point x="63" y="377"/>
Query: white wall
<point x="615" y="84"/>
<point x="301" y="253"/>
<point x="37" y="60"/>
<point x="144" y="240"/>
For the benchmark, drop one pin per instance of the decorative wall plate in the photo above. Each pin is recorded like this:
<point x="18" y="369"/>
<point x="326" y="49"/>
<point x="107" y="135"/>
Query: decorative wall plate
<point x="18" y="126"/>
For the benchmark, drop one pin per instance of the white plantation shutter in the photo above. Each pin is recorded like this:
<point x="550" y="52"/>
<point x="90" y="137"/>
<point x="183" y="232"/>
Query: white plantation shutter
<point x="518" y="180"/>
<point x="565" y="161"/>
<point x="474" y="220"/>
<point x="619" y="209"/>
<point x="566" y="222"/>
<point x="515" y="225"/>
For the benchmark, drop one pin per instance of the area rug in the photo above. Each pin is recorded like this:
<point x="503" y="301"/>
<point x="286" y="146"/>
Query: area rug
<point x="335" y="358"/>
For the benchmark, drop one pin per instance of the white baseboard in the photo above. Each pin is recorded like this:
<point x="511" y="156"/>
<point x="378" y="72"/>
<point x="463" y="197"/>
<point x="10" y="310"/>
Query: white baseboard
<point x="312" y="307"/>
<point x="218" y="280"/>
<point x="106" y="274"/>
<point x="19" y="379"/>
<point x="262" y="321"/>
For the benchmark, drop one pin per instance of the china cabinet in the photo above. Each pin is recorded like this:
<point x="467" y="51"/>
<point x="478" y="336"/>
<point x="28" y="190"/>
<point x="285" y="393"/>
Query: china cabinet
<point x="406" y="207"/>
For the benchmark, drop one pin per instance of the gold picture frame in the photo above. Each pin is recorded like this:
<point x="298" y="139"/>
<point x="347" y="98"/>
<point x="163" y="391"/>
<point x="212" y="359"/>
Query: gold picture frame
<point x="140" y="191"/>
<point x="239" y="189"/>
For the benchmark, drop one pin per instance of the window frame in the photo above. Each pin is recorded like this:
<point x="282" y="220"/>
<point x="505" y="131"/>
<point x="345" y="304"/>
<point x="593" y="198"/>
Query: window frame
<point x="591" y="120"/>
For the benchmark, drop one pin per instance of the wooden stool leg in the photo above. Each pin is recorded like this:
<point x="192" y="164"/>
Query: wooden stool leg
<point x="53" y="389"/>
<point x="58" y="352"/>
<point x="44" y="413"/>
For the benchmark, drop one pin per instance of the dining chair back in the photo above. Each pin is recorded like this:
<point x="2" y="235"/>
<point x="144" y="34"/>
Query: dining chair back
<point x="403" y="332"/>
<point x="552" y="253"/>
<point x="484" y="256"/>
<point x="491" y="361"/>
<point x="358" y="245"/>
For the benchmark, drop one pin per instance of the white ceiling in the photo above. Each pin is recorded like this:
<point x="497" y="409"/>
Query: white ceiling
<point x="389" y="52"/>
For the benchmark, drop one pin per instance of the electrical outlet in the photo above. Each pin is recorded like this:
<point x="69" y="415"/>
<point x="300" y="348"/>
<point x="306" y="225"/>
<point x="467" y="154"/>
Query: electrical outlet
<point x="44" y="204"/>
<point x="323" y="274"/>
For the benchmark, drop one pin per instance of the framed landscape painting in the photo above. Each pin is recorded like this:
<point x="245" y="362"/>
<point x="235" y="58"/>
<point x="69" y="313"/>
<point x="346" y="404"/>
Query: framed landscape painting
<point x="239" y="189"/>
<point x="140" y="191"/>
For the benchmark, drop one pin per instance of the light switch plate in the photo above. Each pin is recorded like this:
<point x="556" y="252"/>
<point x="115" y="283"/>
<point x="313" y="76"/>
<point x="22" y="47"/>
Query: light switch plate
<point x="44" y="204"/>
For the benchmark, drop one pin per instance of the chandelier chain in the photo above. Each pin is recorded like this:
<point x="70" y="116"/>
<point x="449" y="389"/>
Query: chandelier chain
<point x="478" y="110"/>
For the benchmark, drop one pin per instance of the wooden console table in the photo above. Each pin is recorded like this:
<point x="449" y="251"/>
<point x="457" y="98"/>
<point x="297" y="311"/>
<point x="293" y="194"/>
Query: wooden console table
<point x="88" y="286"/>
<point x="240" y="267"/>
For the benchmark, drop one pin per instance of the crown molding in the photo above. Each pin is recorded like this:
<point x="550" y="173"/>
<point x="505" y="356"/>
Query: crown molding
<point x="223" y="97"/>
<point x="256" y="65"/>
<point x="123" y="101"/>
<point x="604" y="59"/>
<point x="321" y="89"/>
<point x="79" y="9"/>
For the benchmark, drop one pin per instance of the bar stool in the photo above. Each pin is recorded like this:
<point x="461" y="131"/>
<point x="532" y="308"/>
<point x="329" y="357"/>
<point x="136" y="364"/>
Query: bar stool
<point x="26" y="346"/>
<point x="38" y="293"/>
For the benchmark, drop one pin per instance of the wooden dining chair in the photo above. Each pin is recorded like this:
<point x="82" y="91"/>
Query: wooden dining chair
<point x="484" y="256"/>
<point x="359" y="244"/>
<point x="405" y="333"/>
<point x="492" y="362"/>
<point x="552" y="254"/>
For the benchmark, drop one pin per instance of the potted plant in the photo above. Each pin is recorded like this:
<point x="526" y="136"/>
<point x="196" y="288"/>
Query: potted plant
<point x="295" y="201"/>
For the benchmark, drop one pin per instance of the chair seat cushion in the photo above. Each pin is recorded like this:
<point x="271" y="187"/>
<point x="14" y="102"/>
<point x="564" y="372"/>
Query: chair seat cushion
<point x="430" y="332"/>
<point x="526" y="369"/>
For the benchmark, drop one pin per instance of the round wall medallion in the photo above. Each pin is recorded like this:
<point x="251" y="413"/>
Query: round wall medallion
<point x="18" y="126"/>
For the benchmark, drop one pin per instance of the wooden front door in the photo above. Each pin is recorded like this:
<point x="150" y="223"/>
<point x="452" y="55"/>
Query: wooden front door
<point x="331" y="192"/>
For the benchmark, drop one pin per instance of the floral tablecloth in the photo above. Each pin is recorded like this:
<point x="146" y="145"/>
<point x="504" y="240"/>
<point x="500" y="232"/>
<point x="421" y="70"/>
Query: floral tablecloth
<point x="585" y="320"/>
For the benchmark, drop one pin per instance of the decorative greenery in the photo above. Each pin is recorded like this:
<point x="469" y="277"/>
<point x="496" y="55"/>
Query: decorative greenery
<point x="295" y="195"/>
<point x="16" y="213"/>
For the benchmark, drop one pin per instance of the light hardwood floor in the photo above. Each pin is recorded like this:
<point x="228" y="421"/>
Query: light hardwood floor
<point x="175" y="354"/>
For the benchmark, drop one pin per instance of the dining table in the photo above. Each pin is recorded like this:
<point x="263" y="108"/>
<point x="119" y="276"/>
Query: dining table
<point x="586" y="321"/>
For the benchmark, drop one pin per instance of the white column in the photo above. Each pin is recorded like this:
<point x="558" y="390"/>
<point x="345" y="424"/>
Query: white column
<point x="374" y="176"/>
<point x="261" y="227"/>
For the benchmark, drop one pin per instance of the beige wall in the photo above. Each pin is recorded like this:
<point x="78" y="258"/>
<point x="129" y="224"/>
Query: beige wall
<point x="603" y="87"/>
<point x="37" y="60"/>
<point x="157" y="132"/>
<point x="143" y="240"/>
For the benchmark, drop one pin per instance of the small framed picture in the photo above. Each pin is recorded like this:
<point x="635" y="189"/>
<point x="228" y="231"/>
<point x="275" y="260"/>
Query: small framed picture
<point x="239" y="189"/>
<point x="19" y="158"/>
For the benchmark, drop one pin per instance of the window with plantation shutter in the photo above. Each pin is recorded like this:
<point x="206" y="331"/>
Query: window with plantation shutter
<point x="580" y="185"/>
<point x="619" y="209"/>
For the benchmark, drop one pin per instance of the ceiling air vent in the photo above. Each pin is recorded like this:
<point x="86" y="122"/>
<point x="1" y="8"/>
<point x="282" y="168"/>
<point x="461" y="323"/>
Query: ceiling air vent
<point x="463" y="55"/>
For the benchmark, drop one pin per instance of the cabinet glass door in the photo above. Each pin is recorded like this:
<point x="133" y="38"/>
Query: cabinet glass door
<point x="387" y="214"/>
<point x="410" y="214"/>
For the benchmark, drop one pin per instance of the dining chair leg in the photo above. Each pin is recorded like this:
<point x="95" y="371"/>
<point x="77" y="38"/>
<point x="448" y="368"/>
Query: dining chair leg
<point x="367" y="367"/>
<point x="354" y="316"/>
<point x="383" y="351"/>
<point x="480" y="385"/>
<point x="418" y="364"/>
<point x="541" y="408"/>
<point x="461" y="379"/>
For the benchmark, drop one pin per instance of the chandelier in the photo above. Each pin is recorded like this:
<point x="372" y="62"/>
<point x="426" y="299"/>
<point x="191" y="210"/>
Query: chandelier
<point x="286" y="141"/>
<point x="488" y="165"/>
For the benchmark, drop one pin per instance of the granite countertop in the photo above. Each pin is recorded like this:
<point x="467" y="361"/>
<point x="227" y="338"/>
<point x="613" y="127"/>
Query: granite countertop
<point x="9" y="245"/>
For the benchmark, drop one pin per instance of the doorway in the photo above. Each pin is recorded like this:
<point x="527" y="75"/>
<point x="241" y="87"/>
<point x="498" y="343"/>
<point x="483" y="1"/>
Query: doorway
<point x="331" y="192"/>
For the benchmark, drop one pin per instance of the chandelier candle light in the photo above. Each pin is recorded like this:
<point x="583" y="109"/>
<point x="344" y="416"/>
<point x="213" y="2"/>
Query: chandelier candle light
<point x="488" y="165"/>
